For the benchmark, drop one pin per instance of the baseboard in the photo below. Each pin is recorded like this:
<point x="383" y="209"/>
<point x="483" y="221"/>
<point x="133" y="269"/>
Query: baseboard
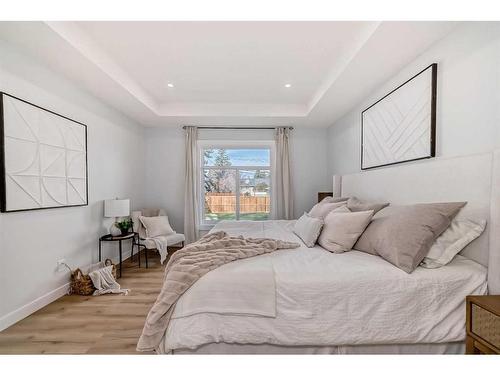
<point x="15" y="316"/>
<point x="28" y="309"/>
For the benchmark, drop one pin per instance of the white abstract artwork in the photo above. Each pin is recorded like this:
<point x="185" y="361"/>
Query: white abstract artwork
<point x="44" y="158"/>
<point x="401" y="126"/>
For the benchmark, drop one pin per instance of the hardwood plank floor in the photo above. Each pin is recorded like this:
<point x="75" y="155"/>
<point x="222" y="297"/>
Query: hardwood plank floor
<point x="108" y="324"/>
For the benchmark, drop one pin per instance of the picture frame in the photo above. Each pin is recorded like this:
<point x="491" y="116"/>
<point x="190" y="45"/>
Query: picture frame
<point x="401" y="126"/>
<point x="43" y="158"/>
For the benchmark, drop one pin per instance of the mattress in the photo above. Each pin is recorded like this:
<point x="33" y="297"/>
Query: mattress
<point x="336" y="300"/>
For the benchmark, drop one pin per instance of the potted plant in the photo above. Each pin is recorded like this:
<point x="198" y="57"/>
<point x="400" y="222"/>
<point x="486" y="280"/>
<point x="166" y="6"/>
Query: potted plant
<point x="125" y="225"/>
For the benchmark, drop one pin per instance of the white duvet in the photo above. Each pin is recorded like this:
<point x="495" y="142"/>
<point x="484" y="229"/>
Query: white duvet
<point x="323" y="298"/>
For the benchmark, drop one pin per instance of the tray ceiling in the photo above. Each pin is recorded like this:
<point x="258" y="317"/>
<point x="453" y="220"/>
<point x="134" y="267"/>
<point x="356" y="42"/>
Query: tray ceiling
<point x="227" y="72"/>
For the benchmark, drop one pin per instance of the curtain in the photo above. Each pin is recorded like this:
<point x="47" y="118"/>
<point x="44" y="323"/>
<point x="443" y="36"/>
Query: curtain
<point x="283" y="190"/>
<point x="191" y="186"/>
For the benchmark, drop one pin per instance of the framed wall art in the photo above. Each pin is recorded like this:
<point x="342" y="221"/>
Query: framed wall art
<point x="43" y="158"/>
<point x="401" y="126"/>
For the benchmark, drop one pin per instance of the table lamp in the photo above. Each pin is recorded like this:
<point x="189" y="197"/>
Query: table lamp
<point x="116" y="208"/>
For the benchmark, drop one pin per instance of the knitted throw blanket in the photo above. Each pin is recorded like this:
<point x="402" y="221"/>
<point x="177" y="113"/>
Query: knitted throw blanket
<point x="187" y="265"/>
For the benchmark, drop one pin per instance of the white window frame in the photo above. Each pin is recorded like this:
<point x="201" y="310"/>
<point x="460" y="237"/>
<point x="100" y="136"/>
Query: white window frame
<point x="211" y="144"/>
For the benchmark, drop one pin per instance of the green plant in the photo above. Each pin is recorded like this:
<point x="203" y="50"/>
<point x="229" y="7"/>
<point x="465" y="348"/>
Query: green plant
<point x="125" y="225"/>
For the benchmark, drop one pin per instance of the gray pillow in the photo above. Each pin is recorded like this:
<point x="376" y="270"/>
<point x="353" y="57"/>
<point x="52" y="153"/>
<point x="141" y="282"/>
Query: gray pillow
<point x="355" y="204"/>
<point x="403" y="235"/>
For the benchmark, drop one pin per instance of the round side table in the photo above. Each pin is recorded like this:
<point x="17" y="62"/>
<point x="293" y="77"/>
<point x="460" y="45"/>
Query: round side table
<point x="129" y="236"/>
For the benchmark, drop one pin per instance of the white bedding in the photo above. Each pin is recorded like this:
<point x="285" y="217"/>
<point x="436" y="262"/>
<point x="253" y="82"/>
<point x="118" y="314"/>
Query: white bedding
<point x="243" y="287"/>
<point x="335" y="299"/>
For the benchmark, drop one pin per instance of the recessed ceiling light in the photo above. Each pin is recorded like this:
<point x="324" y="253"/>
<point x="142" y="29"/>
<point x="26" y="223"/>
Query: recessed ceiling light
<point x="170" y="85"/>
<point x="288" y="85"/>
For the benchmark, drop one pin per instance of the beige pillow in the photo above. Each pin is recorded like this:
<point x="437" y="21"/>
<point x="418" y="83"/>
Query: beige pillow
<point x="156" y="226"/>
<point x="308" y="229"/>
<point x="320" y="210"/>
<point x="333" y="199"/>
<point x="355" y="204"/>
<point x="403" y="235"/>
<point x="342" y="228"/>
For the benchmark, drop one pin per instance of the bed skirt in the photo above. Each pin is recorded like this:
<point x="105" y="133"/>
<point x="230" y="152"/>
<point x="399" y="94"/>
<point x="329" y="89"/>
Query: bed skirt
<point x="223" y="348"/>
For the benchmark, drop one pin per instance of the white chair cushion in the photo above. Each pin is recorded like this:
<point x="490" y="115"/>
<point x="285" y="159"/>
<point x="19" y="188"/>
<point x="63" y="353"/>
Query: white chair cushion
<point x="156" y="226"/>
<point x="148" y="212"/>
<point x="172" y="239"/>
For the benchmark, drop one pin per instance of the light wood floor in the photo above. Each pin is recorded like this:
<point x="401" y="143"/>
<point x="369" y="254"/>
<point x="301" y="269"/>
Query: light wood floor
<point x="108" y="324"/>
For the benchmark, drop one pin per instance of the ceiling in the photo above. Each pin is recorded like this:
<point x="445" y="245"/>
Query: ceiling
<point x="227" y="73"/>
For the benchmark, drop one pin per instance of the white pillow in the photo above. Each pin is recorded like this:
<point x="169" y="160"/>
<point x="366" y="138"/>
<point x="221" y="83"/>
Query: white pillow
<point x="308" y="229"/>
<point x="459" y="234"/>
<point x="156" y="226"/>
<point x="342" y="229"/>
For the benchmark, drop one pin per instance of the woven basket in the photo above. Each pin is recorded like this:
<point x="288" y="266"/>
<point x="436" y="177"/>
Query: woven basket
<point x="82" y="284"/>
<point x="486" y="325"/>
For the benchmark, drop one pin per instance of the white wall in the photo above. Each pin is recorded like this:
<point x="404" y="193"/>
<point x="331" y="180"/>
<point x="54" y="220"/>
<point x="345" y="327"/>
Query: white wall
<point x="31" y="242"/>
<point x="468" y="101"/>
<point x="165" y="166"/>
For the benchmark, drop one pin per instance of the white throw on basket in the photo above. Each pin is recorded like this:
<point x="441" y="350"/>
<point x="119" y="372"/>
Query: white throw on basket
<point x="104" y="281"/>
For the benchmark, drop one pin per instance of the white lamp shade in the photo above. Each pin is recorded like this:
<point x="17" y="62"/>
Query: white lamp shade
<point x="116" y="207"/>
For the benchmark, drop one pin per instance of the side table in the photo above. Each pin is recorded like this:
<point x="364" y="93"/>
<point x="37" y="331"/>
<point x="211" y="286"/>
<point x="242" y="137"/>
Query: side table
<point x="129" y="236"/>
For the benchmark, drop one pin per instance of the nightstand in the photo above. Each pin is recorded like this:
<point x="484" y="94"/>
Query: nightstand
<point x="323" y="194"/>
<point x="483" y="325"/>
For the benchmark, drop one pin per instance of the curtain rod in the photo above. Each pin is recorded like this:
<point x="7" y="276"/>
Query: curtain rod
<point x="240" y="127"/>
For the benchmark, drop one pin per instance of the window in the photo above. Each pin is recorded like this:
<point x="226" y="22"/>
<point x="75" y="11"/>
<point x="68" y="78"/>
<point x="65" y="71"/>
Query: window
<point x="235" y="182"/>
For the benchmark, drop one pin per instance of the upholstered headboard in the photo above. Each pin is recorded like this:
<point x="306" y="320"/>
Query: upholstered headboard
<point x="472" y="178"/>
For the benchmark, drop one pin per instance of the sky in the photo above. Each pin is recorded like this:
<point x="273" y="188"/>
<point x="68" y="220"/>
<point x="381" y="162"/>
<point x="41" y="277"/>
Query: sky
<point x="248" y="157"/>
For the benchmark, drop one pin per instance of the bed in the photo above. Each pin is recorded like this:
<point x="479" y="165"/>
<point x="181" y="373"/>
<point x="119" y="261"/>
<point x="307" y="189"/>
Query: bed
<point x="308" y="300"/>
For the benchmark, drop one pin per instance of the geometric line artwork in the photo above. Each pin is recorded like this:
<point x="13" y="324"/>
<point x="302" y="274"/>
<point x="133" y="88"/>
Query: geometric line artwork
<point x="43" y="158"/>
<point x="401" y="126"/>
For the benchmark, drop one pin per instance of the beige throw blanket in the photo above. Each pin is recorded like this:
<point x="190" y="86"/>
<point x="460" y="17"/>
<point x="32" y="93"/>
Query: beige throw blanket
<point x="189" y="264"/>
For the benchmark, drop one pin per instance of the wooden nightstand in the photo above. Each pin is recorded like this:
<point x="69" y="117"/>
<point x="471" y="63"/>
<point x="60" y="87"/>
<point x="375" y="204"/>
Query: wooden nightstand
<point x="483" y="325"/>
<point x="322" y="195"/>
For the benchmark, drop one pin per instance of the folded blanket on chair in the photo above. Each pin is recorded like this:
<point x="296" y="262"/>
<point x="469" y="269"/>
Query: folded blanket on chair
<point x="188" y="265"/>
